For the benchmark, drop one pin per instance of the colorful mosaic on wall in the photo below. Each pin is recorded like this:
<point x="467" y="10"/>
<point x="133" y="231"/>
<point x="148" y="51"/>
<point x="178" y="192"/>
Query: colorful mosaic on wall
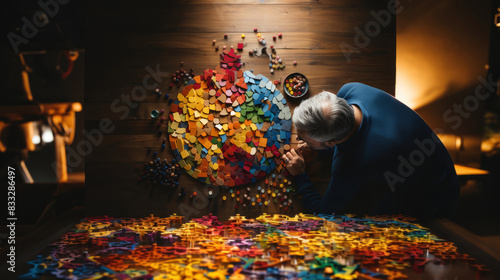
<point x="268" y="247"/>
<point x="229" y="128"/>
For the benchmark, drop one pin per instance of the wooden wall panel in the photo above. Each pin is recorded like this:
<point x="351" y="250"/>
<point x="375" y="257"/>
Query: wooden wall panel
<point x="124" y="38"/>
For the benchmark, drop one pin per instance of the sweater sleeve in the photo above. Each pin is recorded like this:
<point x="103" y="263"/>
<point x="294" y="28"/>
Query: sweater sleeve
<point x="310" y="196"/>
<point x="337" y="195"/>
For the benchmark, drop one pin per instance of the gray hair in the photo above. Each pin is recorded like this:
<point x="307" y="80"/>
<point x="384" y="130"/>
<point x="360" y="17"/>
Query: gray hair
<point x="335" y="123"/>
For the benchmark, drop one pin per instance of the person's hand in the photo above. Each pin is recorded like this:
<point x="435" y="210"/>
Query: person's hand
<point x="302" y="147"/>
<point x="305" y="151"/>
<point x="294" y="162"/>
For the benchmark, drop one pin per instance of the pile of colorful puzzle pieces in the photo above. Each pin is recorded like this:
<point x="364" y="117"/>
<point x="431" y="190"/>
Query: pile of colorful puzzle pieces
<point x="268" y="247"/>
<point x="229" y="128"/>
<point x="230" y="60"/>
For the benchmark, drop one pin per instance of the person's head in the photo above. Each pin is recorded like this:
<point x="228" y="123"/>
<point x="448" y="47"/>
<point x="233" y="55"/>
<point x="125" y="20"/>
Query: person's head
<point x="323" y="120"/>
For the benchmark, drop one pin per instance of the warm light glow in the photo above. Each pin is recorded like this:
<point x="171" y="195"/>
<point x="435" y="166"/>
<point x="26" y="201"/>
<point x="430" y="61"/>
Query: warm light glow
<point x="458" y="143"/>
<point x="424" y="75"/>
<point x="417" y="88"/>
<point x="36" y="139"/>
<point x="77" y="106"/>
<point x="47" y="135"/>
<point x="435" y="60"/>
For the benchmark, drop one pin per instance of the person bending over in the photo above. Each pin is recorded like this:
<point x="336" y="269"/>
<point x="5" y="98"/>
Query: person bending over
<point x="386" y="159"/>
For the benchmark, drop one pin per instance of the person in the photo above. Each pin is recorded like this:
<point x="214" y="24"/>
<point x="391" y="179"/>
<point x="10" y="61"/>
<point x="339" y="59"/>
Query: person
<point x="386" y="159"/>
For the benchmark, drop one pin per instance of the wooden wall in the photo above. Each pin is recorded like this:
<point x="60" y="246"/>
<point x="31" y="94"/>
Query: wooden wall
<point x="125" y="37"/>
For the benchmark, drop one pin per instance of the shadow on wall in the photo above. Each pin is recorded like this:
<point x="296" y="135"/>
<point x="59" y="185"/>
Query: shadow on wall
<point x="459" y="117"/>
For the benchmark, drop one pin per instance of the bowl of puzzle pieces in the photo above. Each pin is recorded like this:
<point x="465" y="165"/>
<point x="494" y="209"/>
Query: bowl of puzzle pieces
<point x="296" y="85"/>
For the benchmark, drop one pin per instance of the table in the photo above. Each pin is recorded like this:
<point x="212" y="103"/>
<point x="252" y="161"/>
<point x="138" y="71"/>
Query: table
<point x="469" y="173"/>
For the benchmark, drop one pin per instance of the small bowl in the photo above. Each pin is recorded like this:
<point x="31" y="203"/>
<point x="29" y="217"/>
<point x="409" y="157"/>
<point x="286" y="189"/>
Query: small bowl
<point x="295" y="93"/>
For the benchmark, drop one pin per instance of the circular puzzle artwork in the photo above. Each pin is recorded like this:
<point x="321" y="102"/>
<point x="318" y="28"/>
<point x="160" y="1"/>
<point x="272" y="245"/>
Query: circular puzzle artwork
<point x="229" y="128"/>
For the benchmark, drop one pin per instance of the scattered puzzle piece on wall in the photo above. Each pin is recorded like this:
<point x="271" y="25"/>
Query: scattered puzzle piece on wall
<point x="230" y="60"/>
<point x="229" y="128"/>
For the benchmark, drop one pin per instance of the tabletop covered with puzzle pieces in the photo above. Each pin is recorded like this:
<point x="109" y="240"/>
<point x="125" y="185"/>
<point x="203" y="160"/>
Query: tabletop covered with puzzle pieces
<point x="267" y="247"/>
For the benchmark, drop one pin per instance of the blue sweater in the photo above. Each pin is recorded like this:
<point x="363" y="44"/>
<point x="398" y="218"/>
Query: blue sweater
<point x="394" y="163"/>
